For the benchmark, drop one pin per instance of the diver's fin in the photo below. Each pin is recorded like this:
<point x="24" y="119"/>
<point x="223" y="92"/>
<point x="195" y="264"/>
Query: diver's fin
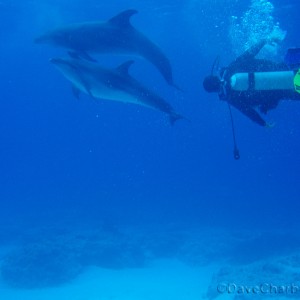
<point x="123" y="18"/>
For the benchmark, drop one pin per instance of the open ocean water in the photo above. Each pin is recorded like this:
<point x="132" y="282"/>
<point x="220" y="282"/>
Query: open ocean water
<point x="88" y="182"/>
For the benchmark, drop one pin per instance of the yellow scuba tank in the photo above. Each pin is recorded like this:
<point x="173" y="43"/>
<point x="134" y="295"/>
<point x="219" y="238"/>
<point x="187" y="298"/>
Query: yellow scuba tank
<point x="263" y="81"/>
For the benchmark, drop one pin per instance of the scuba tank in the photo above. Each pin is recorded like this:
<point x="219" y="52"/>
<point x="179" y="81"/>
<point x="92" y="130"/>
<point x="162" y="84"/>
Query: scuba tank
<point x="263" y="81"/>
<point x="276" y="80"/>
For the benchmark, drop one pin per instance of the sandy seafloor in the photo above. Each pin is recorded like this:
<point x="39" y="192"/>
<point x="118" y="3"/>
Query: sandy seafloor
<point x="165" y="279"/>
<point x="179" y="266"/>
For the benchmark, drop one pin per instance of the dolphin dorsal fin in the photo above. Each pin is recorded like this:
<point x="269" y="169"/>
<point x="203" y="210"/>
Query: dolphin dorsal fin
<point x="124" y="67"/>
<point x="123" y="18"/>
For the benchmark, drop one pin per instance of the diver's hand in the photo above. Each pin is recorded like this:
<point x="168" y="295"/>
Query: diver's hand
<point x="276" y="36"/>
<point x="272" y="40"/>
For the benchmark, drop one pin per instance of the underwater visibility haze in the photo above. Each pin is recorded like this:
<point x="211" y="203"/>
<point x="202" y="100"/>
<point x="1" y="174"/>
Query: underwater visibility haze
<point x="71" y="161"/>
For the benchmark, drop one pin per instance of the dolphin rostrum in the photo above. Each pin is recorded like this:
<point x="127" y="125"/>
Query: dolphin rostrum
<point x="116" y="35"/>
<point x="111" y="84"/>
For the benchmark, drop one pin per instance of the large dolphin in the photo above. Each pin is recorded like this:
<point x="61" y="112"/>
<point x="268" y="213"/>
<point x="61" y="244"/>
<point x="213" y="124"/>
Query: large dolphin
<point x="116" y="35"/>
<point x="111" y="84"/>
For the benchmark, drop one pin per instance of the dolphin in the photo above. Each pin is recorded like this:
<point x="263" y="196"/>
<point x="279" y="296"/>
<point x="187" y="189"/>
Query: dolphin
<point x="116" y="35"/>
<point x="111" y="84"/>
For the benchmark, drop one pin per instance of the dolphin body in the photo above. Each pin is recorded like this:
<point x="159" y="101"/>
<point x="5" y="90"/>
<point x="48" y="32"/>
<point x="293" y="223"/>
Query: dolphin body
<point x="116" y="35"/>
<point x="111" y="84"/>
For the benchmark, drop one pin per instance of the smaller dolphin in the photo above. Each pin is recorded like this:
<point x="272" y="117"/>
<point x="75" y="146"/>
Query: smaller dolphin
<point x="117" y="35"/>
<point x="111" y="84"/>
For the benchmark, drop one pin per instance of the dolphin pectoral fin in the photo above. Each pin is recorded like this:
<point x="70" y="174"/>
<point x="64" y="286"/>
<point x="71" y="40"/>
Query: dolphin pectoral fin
<point x="88" y="89"/>
<point x="124" y="68"/>
<point x="176" y="87"/>
<point x="76" y="91"/>
<point x="74" y="54"/>
<point x="175" y="117"/>
<point x="85" y="84"/>
<point x="90" y="94"/>
<point x="87" y="57"/>
<point x="123" y="18"/>
<point x="79" y="55"/>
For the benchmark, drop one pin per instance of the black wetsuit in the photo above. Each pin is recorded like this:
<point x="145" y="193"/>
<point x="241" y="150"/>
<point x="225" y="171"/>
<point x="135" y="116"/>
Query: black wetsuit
<point x="248" y="101"/>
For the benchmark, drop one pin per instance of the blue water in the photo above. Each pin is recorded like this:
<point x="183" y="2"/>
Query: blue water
<point x="60" y="154"/>
<point x="84" y="161"/>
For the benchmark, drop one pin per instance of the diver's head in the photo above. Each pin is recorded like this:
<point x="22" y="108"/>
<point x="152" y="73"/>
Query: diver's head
<point x="212" y="84"/>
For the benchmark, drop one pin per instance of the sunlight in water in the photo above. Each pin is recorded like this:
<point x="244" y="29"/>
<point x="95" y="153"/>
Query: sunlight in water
<point x="255" y="24"/>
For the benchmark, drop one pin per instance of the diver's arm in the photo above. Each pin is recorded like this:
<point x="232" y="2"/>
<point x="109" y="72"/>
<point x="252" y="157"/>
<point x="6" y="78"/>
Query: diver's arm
<point x="251" y="113"/>
<point x="252" y="51"/>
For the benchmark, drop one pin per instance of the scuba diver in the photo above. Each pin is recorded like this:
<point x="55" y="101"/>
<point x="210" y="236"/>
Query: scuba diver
<point x="256" y="85"/>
